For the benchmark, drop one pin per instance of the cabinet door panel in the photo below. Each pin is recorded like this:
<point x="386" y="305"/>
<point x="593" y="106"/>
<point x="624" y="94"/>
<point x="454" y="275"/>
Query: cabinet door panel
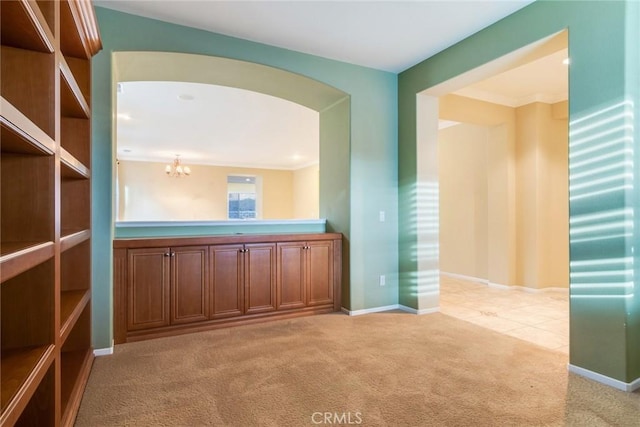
<point x="260" y="279"/>
<point x="148" y="288"/>
<point x="320" y="272"/>
<point x="227" y="281"/>
<point x="189" y="287"/>
<point x="291" y="281"/>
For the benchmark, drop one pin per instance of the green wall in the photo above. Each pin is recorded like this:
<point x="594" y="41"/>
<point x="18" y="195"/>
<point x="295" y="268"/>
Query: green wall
<point x="632" y="89"/>
<point x="367" y="166"/>
<point x="603" y="86"/>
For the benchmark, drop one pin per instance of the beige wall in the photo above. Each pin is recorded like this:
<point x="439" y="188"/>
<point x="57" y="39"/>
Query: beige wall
<point x="543" y="207"/>
<point x="499" y="122"/>
<point x="525" y="153"/>
<point x="306" y="192"/>
<point x="147" y="194"/>
<point x="462" y="156"/>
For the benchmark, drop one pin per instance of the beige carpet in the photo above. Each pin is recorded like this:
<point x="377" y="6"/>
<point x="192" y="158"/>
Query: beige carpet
<point x="386" y="369"/>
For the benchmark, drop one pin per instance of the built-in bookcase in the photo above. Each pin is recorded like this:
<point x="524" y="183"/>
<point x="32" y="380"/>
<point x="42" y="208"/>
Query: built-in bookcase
<point x="45" y="202"/>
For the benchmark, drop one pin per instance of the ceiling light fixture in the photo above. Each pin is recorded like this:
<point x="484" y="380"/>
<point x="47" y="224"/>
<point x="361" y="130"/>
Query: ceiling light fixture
<point x="176" y="170"/>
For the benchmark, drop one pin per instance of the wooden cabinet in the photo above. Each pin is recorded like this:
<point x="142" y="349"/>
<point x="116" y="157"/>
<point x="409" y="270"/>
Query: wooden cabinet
<point x="305" y="274"/>
<point x="165" y="286"/>
<point x="45" y="218"/>
<point x="292" y="280"/>
<point x="260" y="277"/>
<point x="189" y="284"/>
<point x="148" y="288"/>
<point x="243" y="279"/>
<point x="227" y="278"/>
<point x="319" y="272"/>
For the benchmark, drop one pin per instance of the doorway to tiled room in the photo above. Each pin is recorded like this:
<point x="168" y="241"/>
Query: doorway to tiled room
<point x="503" y="199"/>
<point x="538" y="317"/>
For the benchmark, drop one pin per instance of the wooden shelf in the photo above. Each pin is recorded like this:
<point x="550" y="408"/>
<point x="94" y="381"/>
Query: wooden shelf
<point x="20" y="135"/>
<point x="72" y="303"/>
<point x="80" y="68"/>
<point x="24" y="26"/>
<point x="70" y="233"/>
<point x="28" y="83"/>
<point x="22" y="370"/>
<point x="83" y="39"/>
<point x="48" y="9"/>
<point x="75" y="368"/>
<point x="45" y="208"/>
<point x="18" y="257"/>
<point x="71" y="239"/>
<point x="27" y="203"/>
<point x="75" y="209"/>
<point x="75" y="358"/>
<point x="72" y="100"/>
<point x="76" y="138"/>
<point x="72" y="168"/>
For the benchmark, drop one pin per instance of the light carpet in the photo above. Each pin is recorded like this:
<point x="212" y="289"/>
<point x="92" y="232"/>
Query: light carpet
<point x="385" y="369"/>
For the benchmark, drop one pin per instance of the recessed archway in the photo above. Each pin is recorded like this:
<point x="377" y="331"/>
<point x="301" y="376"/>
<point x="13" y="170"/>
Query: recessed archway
<point x="331" y="103"/>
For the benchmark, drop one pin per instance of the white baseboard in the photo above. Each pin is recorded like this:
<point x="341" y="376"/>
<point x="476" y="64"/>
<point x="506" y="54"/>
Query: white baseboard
<point x="103" y="351"/>
<point x="419" y="312"/>
<point x="389" y="308"/>
<point x="612" y="382"/>
<point x="370" y="310"/>
<point x="529" y="290"/>
<point x="463" y="277"/>
<point x="501" y="286"/>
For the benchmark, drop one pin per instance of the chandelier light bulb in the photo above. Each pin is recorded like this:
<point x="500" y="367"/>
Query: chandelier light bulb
<point x="176" y="170"/>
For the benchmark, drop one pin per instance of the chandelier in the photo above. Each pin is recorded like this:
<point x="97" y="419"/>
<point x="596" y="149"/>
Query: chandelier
<point x="176" y="170"/>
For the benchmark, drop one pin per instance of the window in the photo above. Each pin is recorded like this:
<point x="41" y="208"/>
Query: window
<point x="241" y="200"/>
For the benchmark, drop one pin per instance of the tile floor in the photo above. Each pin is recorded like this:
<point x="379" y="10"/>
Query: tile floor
<point x="538" y="317"/>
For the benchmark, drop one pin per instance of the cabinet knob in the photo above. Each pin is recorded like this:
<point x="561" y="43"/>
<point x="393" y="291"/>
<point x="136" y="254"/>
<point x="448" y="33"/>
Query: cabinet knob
<point x="173" y="254"/>
<point x="167" y="254"/>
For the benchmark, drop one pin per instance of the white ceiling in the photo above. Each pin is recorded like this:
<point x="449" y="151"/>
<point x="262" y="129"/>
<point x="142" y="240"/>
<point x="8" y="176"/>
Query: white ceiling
<point x="386" y="35"/>
<point x="543" y="80"/>
<point x="214" y="125"/>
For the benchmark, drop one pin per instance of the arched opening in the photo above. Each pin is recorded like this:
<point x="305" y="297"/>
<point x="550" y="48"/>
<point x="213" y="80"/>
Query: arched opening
<point x="331" y="104"/>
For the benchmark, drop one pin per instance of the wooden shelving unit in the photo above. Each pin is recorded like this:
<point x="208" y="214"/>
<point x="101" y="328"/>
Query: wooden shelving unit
<point x="45" y="218"/>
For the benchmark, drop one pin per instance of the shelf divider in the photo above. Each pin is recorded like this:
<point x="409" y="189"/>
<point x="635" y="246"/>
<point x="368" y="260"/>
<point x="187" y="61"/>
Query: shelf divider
<point x="18" y="257"/>
<point x="74" y="168"/>
<point x="68" y="241"/>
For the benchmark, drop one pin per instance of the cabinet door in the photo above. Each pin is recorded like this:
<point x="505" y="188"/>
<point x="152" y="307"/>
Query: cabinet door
<point x="148" y="288"/>
<point x="319" y="273"/>
<point x="291" y="283"/>
<point x="260" y="278"/>
<point x="227" y="280"/>
<point x="189" y="284"/>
